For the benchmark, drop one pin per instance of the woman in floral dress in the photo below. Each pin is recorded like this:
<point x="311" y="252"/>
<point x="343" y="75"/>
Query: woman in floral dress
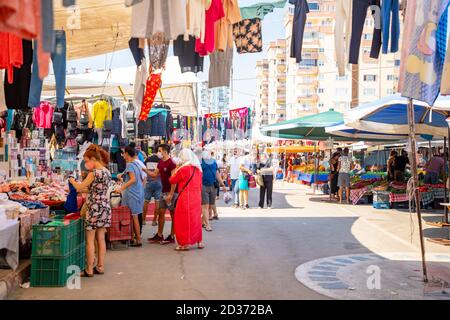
<point x="98" y="217"/>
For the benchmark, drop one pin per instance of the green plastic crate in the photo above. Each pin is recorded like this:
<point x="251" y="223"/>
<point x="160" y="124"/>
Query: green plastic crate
<point x="56" y="241"/>
<point x="52" y="271"/>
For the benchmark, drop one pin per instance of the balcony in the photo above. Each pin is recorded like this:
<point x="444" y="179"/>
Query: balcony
<point x="310" y="98"/>
<point x="307" y="71"/>
<point x="311" y="84"/>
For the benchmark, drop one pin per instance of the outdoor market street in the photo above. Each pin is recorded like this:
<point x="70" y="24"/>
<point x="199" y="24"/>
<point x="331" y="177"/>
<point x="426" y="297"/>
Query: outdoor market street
<point x="254" y="254"/>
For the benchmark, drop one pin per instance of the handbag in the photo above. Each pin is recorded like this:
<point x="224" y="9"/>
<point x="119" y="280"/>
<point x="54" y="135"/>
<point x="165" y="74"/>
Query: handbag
<point x="251" y="182"/>
<point x="72" y="115"/>
<point x="84" y="118"/>
<point x="259" y="180"/>
<point x="57" y="117"/>
<point x="72" y="126"/>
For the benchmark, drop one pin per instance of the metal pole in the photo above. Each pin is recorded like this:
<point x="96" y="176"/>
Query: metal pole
<point x="447" y="156"/>
<point x="445" y="183"/>
<point x="412" y="139"/>
<point x="315" y="167"/>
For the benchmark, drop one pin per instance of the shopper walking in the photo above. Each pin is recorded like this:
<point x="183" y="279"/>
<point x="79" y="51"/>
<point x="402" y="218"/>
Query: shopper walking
<point x="132" y="191"/>
<point x="98" y="216"/>
<point x="235" y="163"/>
<point x="244" y="175"/>
<point x="266" y="169"/>
<point x="210" y="176"/>
<point x="344" y="167"/>
<point x="334" y="175"/>
<point x="188" y="225"/>
<point x="169" y="196"/>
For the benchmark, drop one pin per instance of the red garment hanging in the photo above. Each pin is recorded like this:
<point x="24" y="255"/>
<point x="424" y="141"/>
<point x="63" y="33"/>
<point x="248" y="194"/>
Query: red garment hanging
<point x="11" y="54"/>
<point x="20" y="17"/>
<point x="151" y="89"/>
<point x="213" y="14"/>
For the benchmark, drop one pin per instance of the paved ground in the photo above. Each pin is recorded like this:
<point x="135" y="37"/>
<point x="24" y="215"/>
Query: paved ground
<point x="254" y="254"/>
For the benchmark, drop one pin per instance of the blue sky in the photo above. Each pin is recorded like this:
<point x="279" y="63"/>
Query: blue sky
<point x="244" y="91"/>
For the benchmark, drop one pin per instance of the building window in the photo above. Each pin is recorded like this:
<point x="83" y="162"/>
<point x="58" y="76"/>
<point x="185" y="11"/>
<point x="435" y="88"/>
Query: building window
<point x="341" y="78"/>
<point x="321" y="50"/>
<point x="320" y="90"/>
<point x="390" y="91"/>
<point x="397" y="63"/>
<point x="341" y="91"/>
<point x="370" y="77"/>
<point x="369" y="91"/>
<point x="321" y="63"/>
<point x="390" y="77"/>
<point x="368" y="36"/>
<point x="309" y="63"/>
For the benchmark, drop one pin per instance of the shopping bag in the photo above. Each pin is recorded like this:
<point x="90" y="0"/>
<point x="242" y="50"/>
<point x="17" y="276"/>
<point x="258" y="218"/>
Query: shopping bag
<point x="251" y="182"/>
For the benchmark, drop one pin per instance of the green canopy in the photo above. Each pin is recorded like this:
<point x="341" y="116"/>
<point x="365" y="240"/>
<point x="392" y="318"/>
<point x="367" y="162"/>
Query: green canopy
<point x="310" y="127"/>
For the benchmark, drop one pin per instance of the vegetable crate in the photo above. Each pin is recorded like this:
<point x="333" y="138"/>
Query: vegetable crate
<point x="55" y="271"/>
<point x="381" y="205"/>
<point x="57" y="241"/>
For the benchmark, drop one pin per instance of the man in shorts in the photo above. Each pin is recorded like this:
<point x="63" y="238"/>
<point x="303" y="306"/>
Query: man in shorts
<point x="209" y="192"/>
<point x="344" y="168"/>
<point x="164" y="170"/>
<point x="153" y="188"/>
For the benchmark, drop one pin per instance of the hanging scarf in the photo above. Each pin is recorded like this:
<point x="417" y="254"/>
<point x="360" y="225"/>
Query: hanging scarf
<point x="151" y="89"/>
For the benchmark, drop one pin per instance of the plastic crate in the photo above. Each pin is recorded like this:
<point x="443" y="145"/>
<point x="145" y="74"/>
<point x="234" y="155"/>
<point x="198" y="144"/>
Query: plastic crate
<point x="380" y="196"/>
<point x="381" y="205"/>
<point x="57" y="241"/>
<point x="400" y="205"/>
<point x="53" y="271"/>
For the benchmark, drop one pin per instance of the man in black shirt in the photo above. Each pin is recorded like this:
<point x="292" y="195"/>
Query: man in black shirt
<point x="400" y="163"/>
<point x="153" y="188"/>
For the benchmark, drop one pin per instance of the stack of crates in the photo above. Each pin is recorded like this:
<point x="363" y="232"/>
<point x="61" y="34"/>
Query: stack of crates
<point x="56" y="247"/>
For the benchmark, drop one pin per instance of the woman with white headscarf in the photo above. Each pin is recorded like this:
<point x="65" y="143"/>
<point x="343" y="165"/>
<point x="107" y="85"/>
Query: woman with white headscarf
<point x="188" y="209"/>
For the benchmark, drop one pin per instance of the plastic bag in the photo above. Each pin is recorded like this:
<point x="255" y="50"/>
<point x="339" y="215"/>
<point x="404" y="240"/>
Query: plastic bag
<point x="227" y="197"/>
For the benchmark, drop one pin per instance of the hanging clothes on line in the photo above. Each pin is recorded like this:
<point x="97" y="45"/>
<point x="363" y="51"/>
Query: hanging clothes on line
<point x="17" y="91"/>
<point x="195" y="19"/>
<point x="153" y="16"/>
<point x="359" y="14"/>
<point x="390" y="19"/>
<point x="158" y="46"/>
<point x="212" y="15"/>
<point x="140" y="82"/>
<point x="247" y="32"/>
<point x="190" y="61"/>
<point x="136" y="51"/>
<point x="224" y="30"/>
<point x="151" y="89"/>
<point x="342" y="33"/>
<point x="421" y="64"/>
<point x="58" y="56"/>
<point x="220" y="68"/>
<point x="11" y="54"/>
<point x="298" y="28"/>
<point x="20" y="17"/>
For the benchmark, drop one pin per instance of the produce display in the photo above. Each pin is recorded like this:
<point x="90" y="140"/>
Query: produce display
<point x="53" y="193"/>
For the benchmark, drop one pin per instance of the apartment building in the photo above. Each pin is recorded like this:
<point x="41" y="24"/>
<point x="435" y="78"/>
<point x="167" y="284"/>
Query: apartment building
<point x="212" y="100"/>
<point x="314" y="85"/>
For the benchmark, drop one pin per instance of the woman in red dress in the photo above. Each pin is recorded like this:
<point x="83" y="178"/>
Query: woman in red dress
<point x="188" y="211"/>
